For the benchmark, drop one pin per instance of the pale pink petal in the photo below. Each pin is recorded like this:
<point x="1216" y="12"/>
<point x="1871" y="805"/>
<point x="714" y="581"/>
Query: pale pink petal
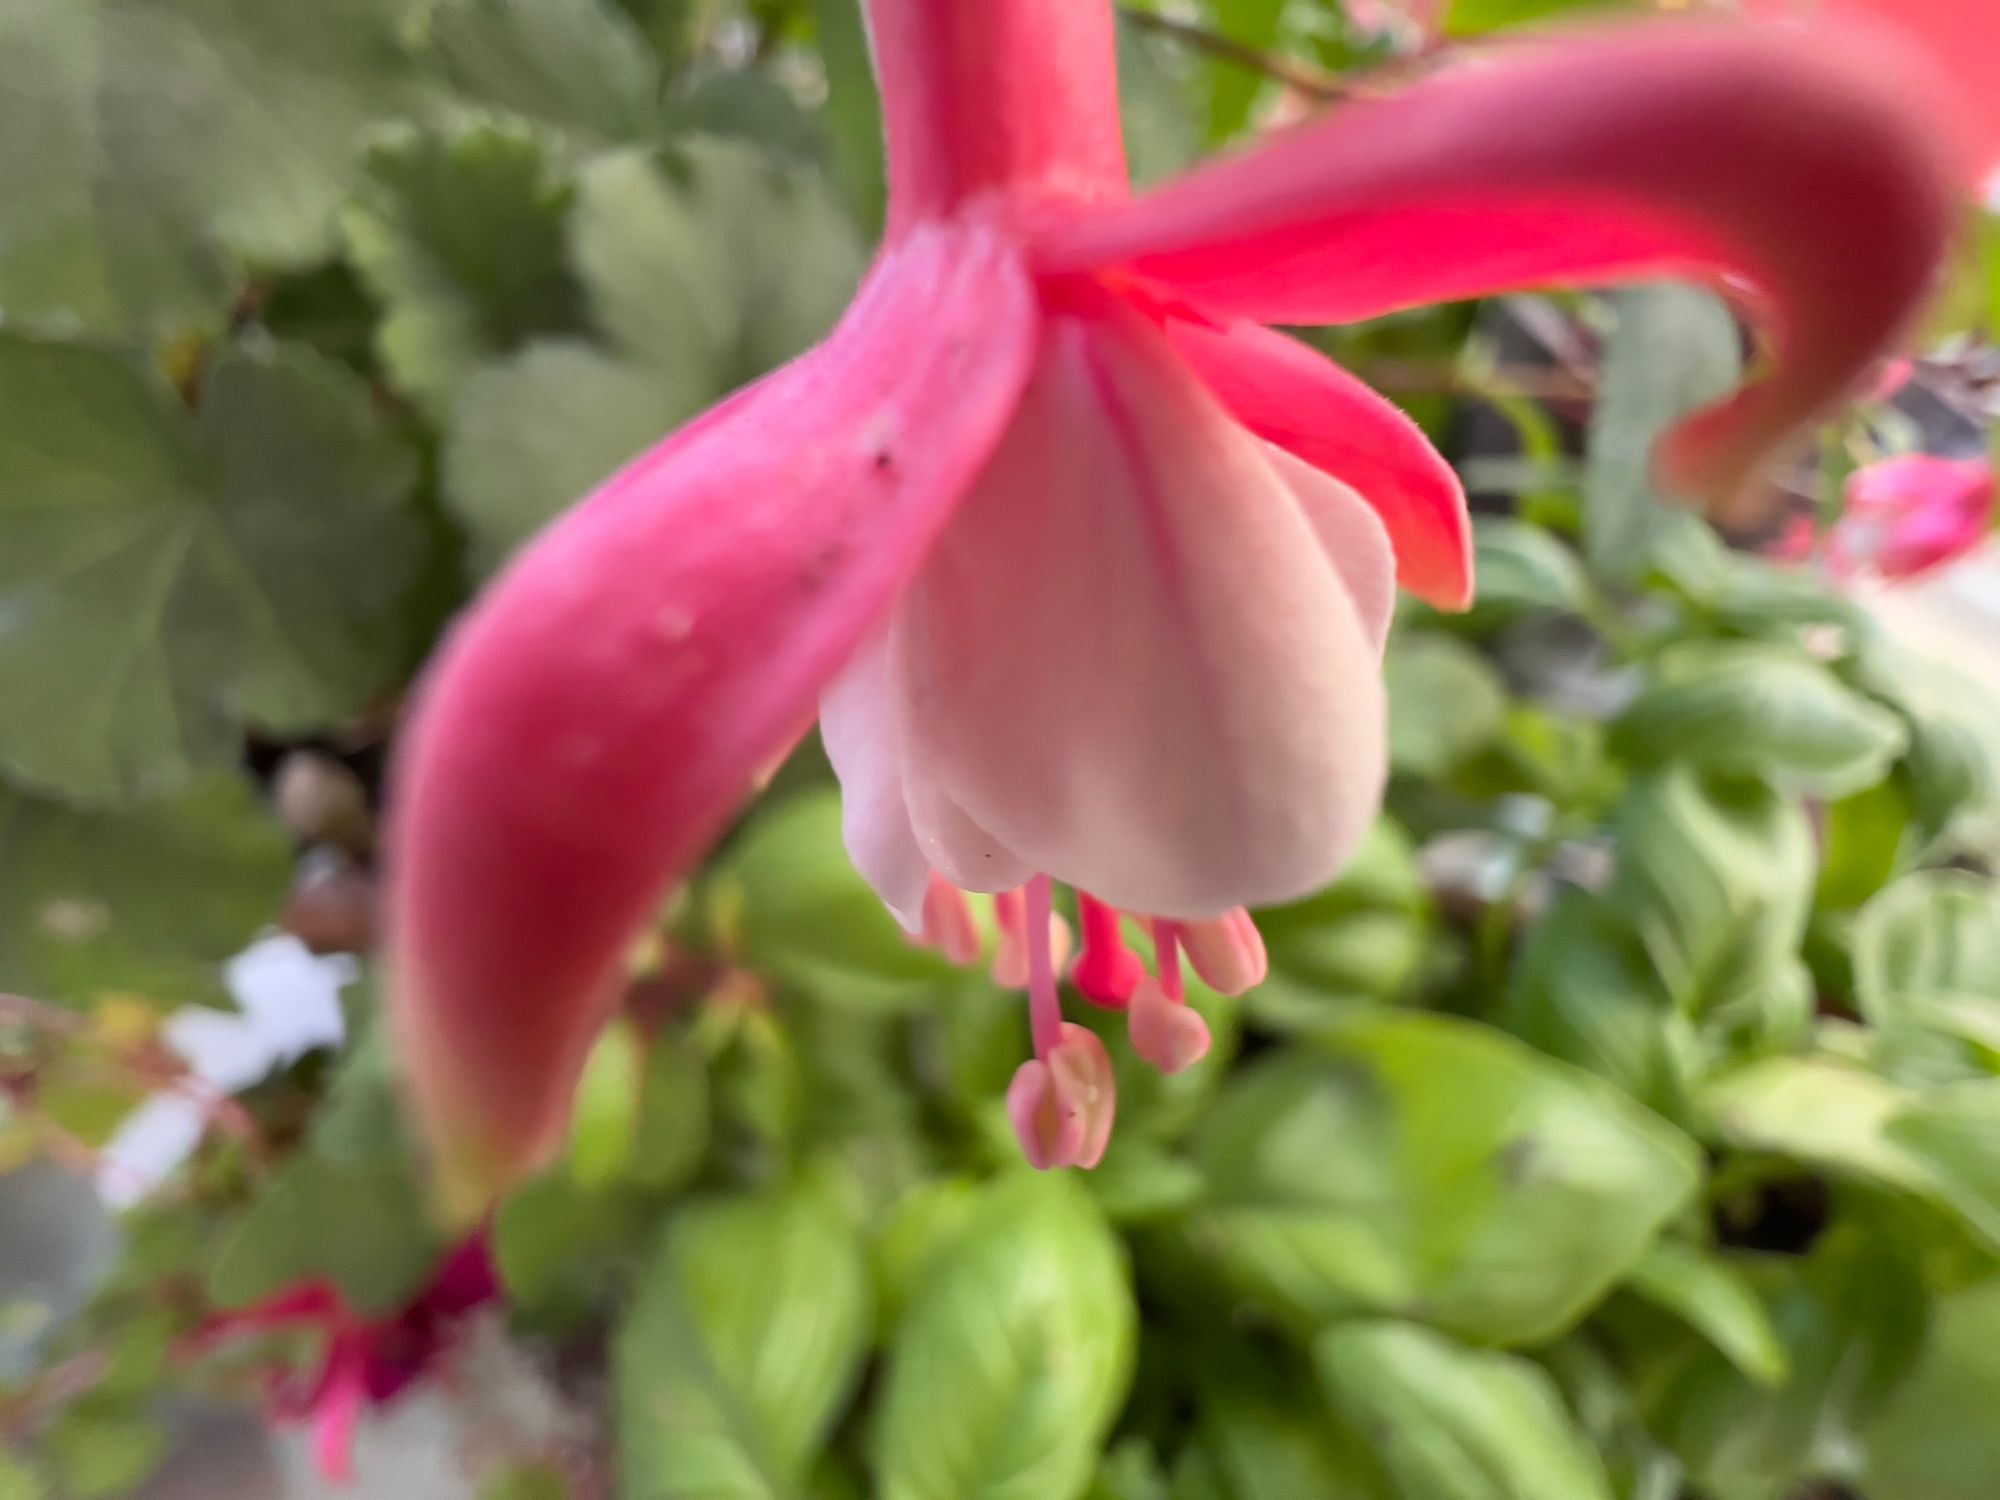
<point x="1016" y="98"/>
<point x="1296" y="397"/>
<point x="1354" y="539"/>
<point x="957" y="847"/>
<point x="857" y="724"/>
<point x="593" y="721"/>
<point x="1814" y="171"/>
<point x="1129" y="658"/>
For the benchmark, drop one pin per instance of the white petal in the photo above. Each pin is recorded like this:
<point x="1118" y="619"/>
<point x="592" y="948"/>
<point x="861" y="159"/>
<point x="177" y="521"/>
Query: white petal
<point x="1353" y="536"/>
<point x="857" y="724"/>
<point x="958" y="848"/>
<point x="1129" y="657"/>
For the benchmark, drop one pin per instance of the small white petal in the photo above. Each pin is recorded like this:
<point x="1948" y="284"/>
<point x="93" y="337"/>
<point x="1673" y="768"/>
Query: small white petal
<point x="1129" y="658"/>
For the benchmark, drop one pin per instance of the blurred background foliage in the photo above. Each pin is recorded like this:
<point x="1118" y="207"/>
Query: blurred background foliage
<point x="1625" y="1122"/>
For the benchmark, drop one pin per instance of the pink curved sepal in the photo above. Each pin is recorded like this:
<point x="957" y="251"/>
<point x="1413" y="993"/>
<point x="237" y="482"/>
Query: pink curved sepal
<point x="1009" y="99"/>
<point x="1731" y="154"/>
<point x="1297" y="398"/>
<point x="1962" y="35"/>
<point x="592" y="723"/>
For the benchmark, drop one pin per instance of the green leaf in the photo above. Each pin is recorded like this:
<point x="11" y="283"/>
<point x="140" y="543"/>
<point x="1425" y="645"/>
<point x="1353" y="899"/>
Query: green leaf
<point x="1131" y="1471"/>
<point x="528" y="1480"/>
<point x="604" y="1121"/>
<point x="148" y="145"/>
<point x="105" y="1448"/>
<point x="1445" y="703"/>
<point x="1949" y="770"/>
<point x="1264" y="1430"/>
<point x="1851" y="1319"/>
<point x="1815" y="1110"/>
<point x="1362" y="938"/>
<point x="148" y="902"/>
<point x="1141" y="1182"/>
<point x="803" y="915"/>
<point x="533" y="433"/>
<point x="1451" y="1423"/>
<point x="164" y="577"/>
<point x="752" y="105"/>
<point x="18" y="1481"/>
<point x="853" y="110"/>
<point x="79" y="238"/>
<point x="565" y="1251"/>
<point x="1941" y="1145"/>
<point x="701" y="274"/>
<point x="722" y="258"/>
<point x="1715" y="1299"/>
<point x="577" y="64"/>
<point x="1754" y="710"/>
<point x="1673" y="350"/>
<point x="1864" y="840"/>
<point x="462" y="236"/>
<point x="1584" y="991"/>
<point x="1522" y="567"/>
<point x="1234" y="88"/>
<point x="672" y="1131"/>
<point x="1160" y="90"/>
<point x="1597" y="1388"/>
<point x="1954" y="1133"/>
<point x="1715" y="878"/>
<point x="1436" y="1169"/>
<point x="745" y="1339"/>
<point x="1936" y="1439"/>
<point x="1926" y="946"/>
<point x="361" y="1224"/>
<point x="1007" y="1367"/>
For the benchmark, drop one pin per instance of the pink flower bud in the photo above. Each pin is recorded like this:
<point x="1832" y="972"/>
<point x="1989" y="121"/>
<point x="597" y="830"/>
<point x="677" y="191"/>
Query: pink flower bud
<point x="1911" y="515"/>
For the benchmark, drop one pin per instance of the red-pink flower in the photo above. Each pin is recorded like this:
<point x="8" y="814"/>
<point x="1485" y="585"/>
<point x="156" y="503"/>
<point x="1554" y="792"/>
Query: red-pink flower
<point x="1085" y="570"/>
<point x="362" y="1361"/>
<point x="1904" y="518"/>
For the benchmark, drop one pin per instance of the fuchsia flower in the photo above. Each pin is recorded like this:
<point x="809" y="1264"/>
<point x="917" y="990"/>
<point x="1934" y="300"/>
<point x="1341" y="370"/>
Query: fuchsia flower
<point x="1905" y="518"/>
<point x="363" y="1361"/>
<point x="1086" y="572"/>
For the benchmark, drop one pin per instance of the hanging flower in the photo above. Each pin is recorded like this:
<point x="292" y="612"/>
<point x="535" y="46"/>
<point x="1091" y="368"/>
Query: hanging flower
<point x="1904" y="518"/>
<point x="1084" y="570"/>
<point x="361" y="1361"/>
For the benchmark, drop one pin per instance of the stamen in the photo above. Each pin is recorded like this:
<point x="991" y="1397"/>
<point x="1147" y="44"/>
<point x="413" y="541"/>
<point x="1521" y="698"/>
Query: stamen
<point x="1044" y="1005"/>
<point x="1167" y="958"/>
<point x="1164" y="1030"/>
<point x="1062" y="1105"/>
<point x="1010" y="954"/>
<point x="948" y="925"/>
<point x="1227" y="952"/>
<point x="1108" y="971"/>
